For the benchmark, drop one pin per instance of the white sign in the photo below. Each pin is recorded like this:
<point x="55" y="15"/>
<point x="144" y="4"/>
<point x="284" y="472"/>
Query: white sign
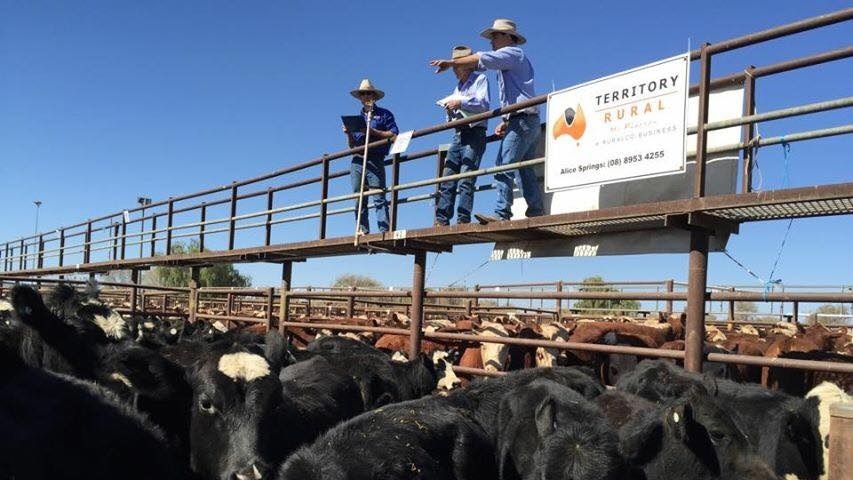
<point x="401" y="143"/>
<point x="628" y="125"/>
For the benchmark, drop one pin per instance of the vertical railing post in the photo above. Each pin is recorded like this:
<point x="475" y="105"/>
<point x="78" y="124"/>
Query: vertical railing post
<point x="269" y="306"/>
<point x="6" y="258"/>
<point x="270" y="193"/>
<point x="560" y="301"/>
<point x="40" y="262"/>
<point x="22" y="262"/>
<point x="795" y="314"/>
<point x="170" y="214"/>
<point x="123" y="237"/>
<point x="115" y="241"/>
<point x="232" y="223"/>
<point x="476" y="299"/>
<point x="229" y="306"/>
<point x="202" y="227"/>
<point x="153" y="234"/>
<point x="439" y="168"/>
<point x="284" y="300"/>
<point x="748" y="129"/>
<point x="395" y="194"/>
<point x="324" y="194"/>
<point x="134" y="290"/>
<point x="87" y="249"/>
<point x="701" y="133"/>
<point x="732" y="307"/>
<point x="417" y="318"/>
<point x="308" y="303"/>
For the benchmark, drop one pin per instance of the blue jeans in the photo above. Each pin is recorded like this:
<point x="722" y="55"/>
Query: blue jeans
<point x="464" y="155"/>
<point x="519" y="144"/>
<point x="373" y="178"/>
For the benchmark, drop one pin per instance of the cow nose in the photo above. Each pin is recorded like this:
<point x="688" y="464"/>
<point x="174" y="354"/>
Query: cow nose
<point x="249" y="473"/>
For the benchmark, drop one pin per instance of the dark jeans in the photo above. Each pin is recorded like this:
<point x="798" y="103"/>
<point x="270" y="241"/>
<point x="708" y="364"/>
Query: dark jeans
<point x="374" y="178"/>
<point x="464" y="155"/>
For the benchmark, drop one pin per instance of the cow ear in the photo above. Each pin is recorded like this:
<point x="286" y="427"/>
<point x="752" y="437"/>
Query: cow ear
<point x="276" y="351"/>
<point x="546" y="418"/>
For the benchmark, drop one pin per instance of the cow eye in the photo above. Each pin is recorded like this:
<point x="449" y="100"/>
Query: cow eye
<point x="206" y="406"/>
<point x="717" y="436"/>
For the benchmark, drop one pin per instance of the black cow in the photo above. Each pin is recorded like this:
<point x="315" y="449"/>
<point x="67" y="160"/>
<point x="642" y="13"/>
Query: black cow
<point x="420" y="439"/>
<point x="248" y="413"/>
<point x="549" y="431"/>
<point x="782" y="429"/>
<point x="381" y="380"/>
<point x="484" y="396"/>
<point x="691" y="437"/>
<point x="55" y="426"/>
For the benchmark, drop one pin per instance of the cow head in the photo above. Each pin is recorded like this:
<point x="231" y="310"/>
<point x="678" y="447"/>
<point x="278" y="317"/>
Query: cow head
<point x="494" y="355"/>
<point x="691" y="437"/>
<point x="547" y="430"/>
<point x="237" y="397"/>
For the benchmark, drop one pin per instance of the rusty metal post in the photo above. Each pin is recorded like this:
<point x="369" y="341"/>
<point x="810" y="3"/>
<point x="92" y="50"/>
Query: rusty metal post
<point x="88" y="240"/>
<point x="192" y="301"/>
<point x="284" y="301"/>
<point x="270" y="297"/>
<point x="701" y="133"/>
<point x="268" y="225"/>
<point x="232" y="223"/>
<point x="395" y="194"/>
<point x="229" y="306"/>
<point x="696" y="284"/>
<point x="416" y="320"/>
<point x="748" y="129"/>
<point x="476" y="299"/>
<point x="670" y="286"/>
<point x="134" y="290"/>
<point x="731" y="307"/>
<point x="840" y="441"/>
<point x="61" y="246"/>
<point x="560" y="302"/>
<point x="308" y="303"/>
<point x="795" y="315"/>
<point x="201" y="228"/>
<point x="469" y="307"/>
<point x="153" y="234"/>
<point x="439" y="169"/>
<point x="324" y="194"/>
<point x="351" y="304"/>
<point x="170" y="214"/>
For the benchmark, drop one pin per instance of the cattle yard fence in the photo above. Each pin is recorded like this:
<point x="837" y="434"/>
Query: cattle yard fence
<point x="146" y="236"/>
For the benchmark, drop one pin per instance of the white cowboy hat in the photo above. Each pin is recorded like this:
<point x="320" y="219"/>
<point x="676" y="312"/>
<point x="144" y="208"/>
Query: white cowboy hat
<point x="460" y="51"/>
<point x="503" y="25"/>
<point x="366" y="86"/>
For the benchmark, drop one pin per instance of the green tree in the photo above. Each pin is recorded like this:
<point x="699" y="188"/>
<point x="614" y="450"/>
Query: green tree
<point x="354" y="280"/>
<point x="828" y="309"/>
<point x="602" y="306"/>
<point x="743" y="308"/>
<point x="219" y="275"/>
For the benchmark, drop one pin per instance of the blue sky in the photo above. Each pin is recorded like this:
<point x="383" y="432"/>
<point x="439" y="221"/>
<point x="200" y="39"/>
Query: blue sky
<point x="102" y="101"/>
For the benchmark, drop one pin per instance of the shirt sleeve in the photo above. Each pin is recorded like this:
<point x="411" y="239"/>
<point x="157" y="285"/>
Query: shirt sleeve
<point x="502" y="59"/>
<point x="389" y="124"/>
<point x="478" y="101"/>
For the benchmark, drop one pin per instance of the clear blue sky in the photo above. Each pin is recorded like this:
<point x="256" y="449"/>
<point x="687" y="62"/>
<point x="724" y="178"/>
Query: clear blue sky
<point x="102" y="101"/>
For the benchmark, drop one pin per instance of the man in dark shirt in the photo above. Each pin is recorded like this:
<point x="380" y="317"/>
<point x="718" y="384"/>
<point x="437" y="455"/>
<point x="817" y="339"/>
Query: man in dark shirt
<point x="382" y="126"/>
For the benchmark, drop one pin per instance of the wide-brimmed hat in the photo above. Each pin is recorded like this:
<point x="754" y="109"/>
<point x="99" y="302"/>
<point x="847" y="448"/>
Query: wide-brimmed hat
<point x="503" y="25"/>
<point x="366" y="86"/>
<point x="460" y="51"/>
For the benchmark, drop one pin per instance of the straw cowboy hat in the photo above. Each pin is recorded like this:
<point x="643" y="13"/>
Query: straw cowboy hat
<point x="502" y="25"/>
<point x="366" y="86"/>
<point x="460" y="51"/>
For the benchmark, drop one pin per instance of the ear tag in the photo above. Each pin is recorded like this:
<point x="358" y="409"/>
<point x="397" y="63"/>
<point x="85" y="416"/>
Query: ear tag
<point x="675" y="417"/>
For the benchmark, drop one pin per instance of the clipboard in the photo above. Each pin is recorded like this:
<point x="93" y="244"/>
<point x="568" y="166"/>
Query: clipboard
<point x="354" y="123"/>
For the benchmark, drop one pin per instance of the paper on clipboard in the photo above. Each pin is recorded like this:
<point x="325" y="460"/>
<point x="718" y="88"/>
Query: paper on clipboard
<point x="401" y="143"/>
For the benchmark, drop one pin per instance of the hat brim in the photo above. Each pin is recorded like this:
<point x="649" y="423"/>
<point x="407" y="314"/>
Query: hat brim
<point x="487" y="34"/>
<point x="379" y="93"/>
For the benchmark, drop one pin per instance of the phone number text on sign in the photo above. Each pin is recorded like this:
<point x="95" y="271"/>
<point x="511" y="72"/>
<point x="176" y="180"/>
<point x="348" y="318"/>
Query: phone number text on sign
<point x="626" y="126"/>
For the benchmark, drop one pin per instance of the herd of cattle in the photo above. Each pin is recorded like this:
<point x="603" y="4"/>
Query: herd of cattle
<point x="88" y="393"/>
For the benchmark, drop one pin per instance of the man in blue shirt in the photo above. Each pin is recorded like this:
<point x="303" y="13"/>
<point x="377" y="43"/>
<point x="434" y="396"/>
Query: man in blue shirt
<point x="519" y="130"/>
<point x="382" y="126"/>
<point x="471" y="96"/>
